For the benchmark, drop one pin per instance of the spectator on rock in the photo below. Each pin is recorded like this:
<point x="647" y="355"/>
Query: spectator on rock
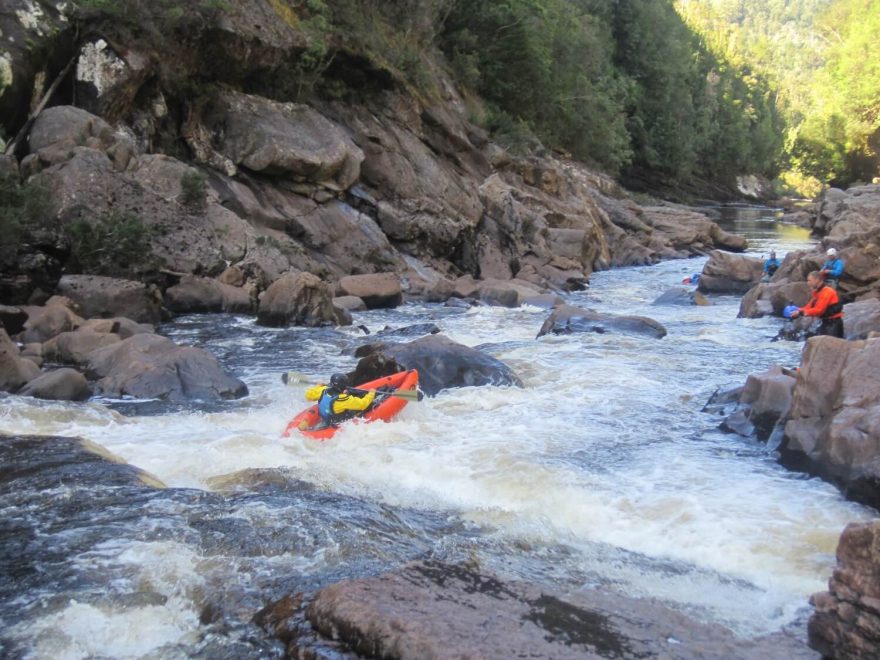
<point x="832" y="269"/>
<point x="771" y="265"/>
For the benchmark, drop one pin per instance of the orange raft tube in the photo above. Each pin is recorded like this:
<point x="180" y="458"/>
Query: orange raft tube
<point x="385" y="406"/>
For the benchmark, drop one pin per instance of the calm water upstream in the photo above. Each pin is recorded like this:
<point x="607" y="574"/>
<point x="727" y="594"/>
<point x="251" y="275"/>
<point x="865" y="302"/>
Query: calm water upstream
<point x="600" y="471"/>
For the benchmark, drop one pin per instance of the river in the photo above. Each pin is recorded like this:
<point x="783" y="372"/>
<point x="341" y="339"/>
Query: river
<point x="602" y="470"/>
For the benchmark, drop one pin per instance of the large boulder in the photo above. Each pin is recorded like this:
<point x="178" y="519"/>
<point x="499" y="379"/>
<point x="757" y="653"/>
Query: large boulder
<point x="74" y="347"/>
<point x="60" y="384"/>
<point x="771" y="298"/>
<point x="283" y="139"/>
<point x="377" y="291"/>
<point x="730" y="273"/>
<point x="434" y="609"/>
<point x="833" y="429"/>
<point x="103" y="297"/>
<point x="507" y="293"/>
<point x="197" y="295"/>
<point x="861" y="318"/>
<point x="764" y="401"/>
<point x="441" y="363"/>
<point x="153" y="367"/>
<point x="14" y="370"/>
<point x="300" y="299"/>
<point x="846" y="620"/>
<point x="568" y="319"/>
<point x="49" y="321"/>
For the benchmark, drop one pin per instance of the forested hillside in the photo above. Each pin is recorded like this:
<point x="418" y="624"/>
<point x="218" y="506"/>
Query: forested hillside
<point x="823" y="57"/>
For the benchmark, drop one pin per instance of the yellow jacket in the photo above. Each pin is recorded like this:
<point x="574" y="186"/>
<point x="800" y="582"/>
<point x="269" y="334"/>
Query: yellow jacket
<point x="345" y="401"/>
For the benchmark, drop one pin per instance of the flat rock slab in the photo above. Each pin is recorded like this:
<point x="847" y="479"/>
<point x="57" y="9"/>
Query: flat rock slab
<point x="437" y="610"/>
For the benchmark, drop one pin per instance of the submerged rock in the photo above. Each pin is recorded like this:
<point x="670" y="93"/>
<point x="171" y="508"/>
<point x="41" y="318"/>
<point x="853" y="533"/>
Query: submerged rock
<point x="442" y="364"/>
<point x="567" y="319"/>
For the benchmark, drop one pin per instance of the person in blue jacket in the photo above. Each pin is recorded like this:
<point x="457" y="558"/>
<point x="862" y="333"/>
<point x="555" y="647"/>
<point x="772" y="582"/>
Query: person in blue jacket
<point x="832" y="269"/>
<point x="771" y="265"/>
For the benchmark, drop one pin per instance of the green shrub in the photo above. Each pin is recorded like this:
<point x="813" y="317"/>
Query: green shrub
<point x="112" y="244"/>
<point x="22" y="207"/>
<point x="193" y="189"/>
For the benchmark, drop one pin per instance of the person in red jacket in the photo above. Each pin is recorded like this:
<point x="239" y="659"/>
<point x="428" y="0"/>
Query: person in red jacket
<point x="824" y="304"/>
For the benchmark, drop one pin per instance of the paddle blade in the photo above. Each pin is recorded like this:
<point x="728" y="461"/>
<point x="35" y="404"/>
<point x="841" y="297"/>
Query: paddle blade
<point x="293" y="378"/>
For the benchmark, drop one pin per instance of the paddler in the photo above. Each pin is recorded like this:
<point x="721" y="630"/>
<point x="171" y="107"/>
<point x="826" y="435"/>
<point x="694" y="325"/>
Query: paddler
<point x="336" y="402"/>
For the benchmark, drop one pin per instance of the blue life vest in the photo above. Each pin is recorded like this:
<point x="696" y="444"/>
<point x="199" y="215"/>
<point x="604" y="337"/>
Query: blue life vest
<point x="325" y="404"/>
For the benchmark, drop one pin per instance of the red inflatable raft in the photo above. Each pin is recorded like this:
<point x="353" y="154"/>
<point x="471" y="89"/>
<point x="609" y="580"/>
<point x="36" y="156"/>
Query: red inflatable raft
<point x="384" y="407"/>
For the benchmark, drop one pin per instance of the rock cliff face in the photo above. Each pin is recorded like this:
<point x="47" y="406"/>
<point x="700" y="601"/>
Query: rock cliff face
<point x="383" y="179"/>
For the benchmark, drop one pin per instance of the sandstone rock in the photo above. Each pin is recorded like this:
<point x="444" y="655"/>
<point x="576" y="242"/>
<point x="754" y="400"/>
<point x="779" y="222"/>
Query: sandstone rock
<point x="567" y="319"/>
<point x="771" y="298"/>
<point x="730" y="273"/>
<point x="442" y="364"/>
<point x="284" y="139"/>
<point x="66" y="127"/>
<point x="14" y="371"/>
<point x="153" y="367"/>
<point x="767" y="397"/>
<point x="49" y="321"/>
<point x="846" y="621"/>
<point x="834" y="424"/>
<point x="506" y="293"/>
<point x="73" y="347"/>
<point x="60" y="384"/>
<point x="125" y="328"/>
<point x="300" y="299"/>
<point x="350" y="303"/>
<point x="433" y="609"/>
<point x="861" y="318"/>
<point x="103" y="297"/>
<point x="195" y="295"/>
<point x="377" y="291"/>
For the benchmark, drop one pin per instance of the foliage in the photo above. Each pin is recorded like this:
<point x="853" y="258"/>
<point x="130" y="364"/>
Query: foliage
<point x="22" y="207"/>
<point x="823" y="58"/>
<point x="625" y="85"/>
<point x="112" y="244"/>
<point x="193" y="190"/>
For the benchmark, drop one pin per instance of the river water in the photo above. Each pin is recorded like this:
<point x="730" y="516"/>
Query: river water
<point x="601" y="471"/>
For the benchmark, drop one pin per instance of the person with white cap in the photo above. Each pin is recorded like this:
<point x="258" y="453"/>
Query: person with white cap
<point x="832" y="269"/>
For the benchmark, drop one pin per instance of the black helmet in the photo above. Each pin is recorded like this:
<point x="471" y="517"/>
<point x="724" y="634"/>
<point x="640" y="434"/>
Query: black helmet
<point x="339" y="381"/>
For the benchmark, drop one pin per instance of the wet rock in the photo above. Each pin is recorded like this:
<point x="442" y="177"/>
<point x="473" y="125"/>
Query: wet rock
<point x="380" y="290"/>
<point x="60" y="384"/>
<point x="833" y="429"/>
<point x="415" y="330"/>
<point x="770" y="299"/>
<point x="103" y="297"/>
<point x="846" y="621"/>
<point x="14" y="371"/>
<point x="437" y="610"/>
<point x="567" y="319"/>
<point x="681" y="296"/>
<point x="441" y="362"/>
<point x="350" y="303"/>
<point x="766" y="399"/>
<point x="543" y="301"/>
<point x="300" y="299"/>
<point x="730" y="273"/>
<point x="506" y="293"/>
<point x="153" y="367"/>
